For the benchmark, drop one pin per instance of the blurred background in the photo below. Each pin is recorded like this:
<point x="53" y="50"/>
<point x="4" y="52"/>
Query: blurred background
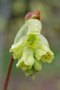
<point x="12" y="14"/>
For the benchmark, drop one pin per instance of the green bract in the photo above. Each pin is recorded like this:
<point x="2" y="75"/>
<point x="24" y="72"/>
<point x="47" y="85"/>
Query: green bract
<point x="34" y="26"/>
<point x="31" y="48"/>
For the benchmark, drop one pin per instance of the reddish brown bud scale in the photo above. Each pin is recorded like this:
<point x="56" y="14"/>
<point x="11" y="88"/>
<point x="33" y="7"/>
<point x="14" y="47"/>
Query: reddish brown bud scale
<point x="33" y="15"/>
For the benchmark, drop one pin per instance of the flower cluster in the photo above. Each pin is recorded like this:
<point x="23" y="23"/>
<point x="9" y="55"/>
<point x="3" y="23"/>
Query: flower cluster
<point x="31" y="48"/>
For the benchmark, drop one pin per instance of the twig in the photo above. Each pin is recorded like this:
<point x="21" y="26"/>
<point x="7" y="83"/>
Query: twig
<point x="8" y="74"/>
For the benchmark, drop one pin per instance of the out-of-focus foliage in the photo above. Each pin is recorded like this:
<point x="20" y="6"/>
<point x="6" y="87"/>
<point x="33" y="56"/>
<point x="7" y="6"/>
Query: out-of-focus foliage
<point x="18" y="7"/>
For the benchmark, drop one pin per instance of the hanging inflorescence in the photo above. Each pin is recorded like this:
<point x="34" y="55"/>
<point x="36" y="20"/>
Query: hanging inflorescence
<point x="31" y="48"/>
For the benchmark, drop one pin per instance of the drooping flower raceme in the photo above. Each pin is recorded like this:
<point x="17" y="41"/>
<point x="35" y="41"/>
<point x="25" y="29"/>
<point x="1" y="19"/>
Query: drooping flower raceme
<point x="30" y="48"/>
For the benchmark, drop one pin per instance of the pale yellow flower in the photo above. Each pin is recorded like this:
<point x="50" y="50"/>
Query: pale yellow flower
<point x="27" y="59"/>
<point x="31" y="48"/>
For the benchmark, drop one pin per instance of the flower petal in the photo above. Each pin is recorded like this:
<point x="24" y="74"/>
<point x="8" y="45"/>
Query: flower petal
<point x="39" y="52"/>
<point x="32" y="41"/>
<point x="21" y="33"/>
<point x="48" y="57"/>
<point x="34" y="26"/>
<point x="43" y="40"/>
<point x="27" y="58"/>
<point x="17" y="49"/>
<point x="43" y="47"/>
<point x="37" y="65"/>
<point x="22" y="65"/>
<point x="29" y="72"/>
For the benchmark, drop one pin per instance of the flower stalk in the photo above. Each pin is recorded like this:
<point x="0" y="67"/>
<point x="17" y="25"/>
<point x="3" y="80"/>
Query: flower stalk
<point x="8" y="74"/>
